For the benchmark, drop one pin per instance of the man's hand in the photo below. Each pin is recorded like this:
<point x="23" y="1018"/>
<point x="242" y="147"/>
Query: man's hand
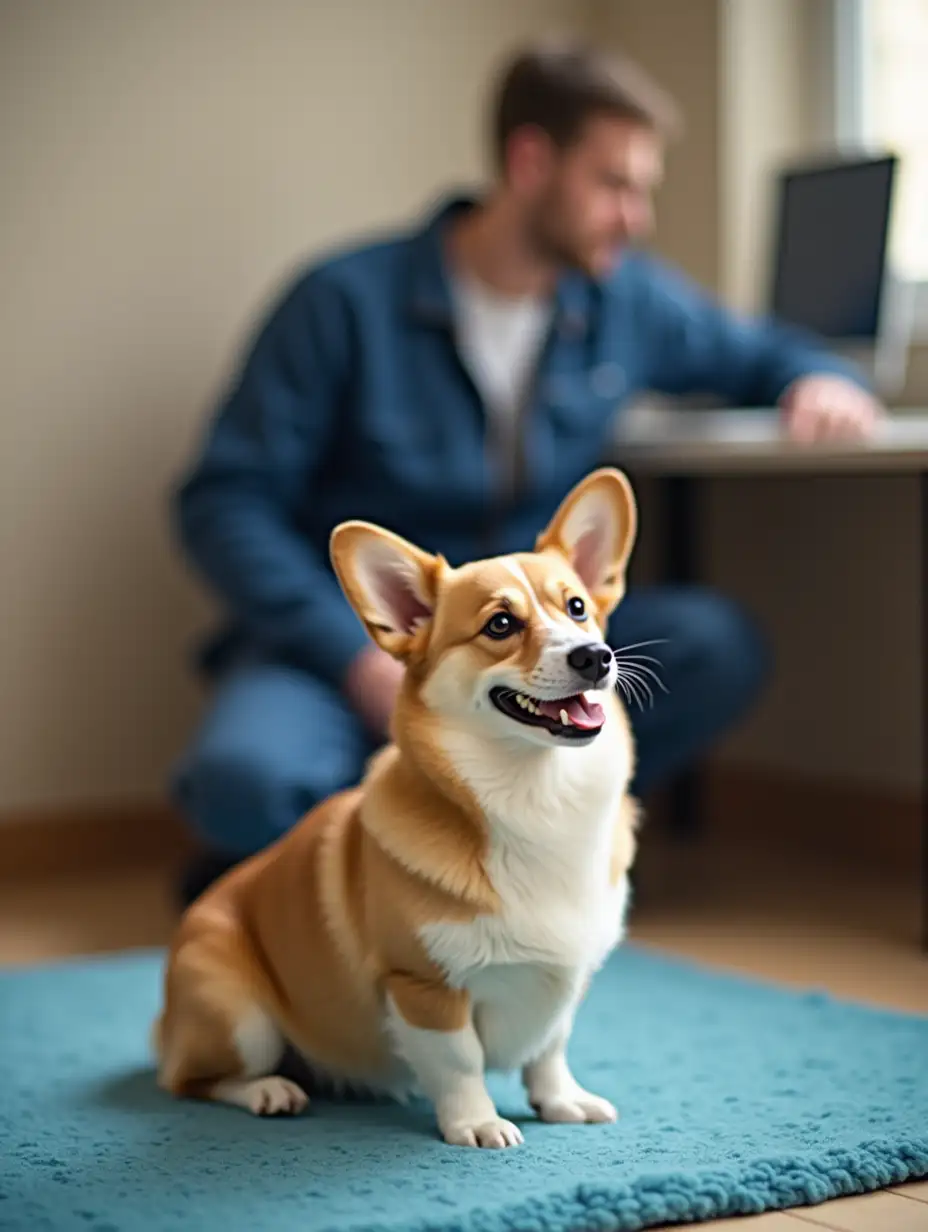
<point x="828" y="408"/>
<point x="371" y="685"/>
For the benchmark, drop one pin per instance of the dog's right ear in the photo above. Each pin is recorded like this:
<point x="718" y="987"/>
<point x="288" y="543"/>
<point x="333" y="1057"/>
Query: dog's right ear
<point x="389" y="583"/>
<point x="594" y="528"/>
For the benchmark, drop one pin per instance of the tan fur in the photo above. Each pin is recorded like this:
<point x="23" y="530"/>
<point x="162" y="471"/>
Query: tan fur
<point x="311" y="938"/>
<point x="313" y="930"/>
<point x="429" y="1004"/>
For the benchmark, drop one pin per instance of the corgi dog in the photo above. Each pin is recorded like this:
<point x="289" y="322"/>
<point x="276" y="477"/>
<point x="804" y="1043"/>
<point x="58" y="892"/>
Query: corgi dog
<point x="443" y="919"/>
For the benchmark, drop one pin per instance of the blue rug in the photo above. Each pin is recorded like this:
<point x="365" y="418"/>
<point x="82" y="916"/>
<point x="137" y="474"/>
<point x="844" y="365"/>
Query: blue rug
<point x="735" y="1098"/>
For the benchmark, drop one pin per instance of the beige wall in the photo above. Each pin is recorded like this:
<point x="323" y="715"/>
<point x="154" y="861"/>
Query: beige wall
<point x="163" y="165"/>
<point x="763" y="120"/>
<point x="679" y="42"/>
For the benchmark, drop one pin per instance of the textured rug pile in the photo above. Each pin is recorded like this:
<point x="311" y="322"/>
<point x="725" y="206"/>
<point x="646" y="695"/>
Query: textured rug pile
<point x="735" y="1097"/>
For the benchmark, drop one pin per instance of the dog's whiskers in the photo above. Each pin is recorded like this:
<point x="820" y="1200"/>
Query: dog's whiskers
<point x="634" y="658"/>
<point x="635" y="677"/>
<point x="654" y="641"/>
<point x="637" y="681"/>
<point x="636" y="688"/>
<point x="629" y="692"/>
<point x="642" y="671"/>
<point x="639" y="691"/>
<point x="635" y="673"/>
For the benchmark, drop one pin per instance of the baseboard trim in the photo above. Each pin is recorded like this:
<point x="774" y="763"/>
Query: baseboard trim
<point x="753" y="806"/>
<point x="748" y="806"/>
<point x="85" y="838"/>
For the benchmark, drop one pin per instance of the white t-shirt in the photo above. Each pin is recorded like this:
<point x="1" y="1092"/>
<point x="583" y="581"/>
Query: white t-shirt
<point x="500" y="340"/>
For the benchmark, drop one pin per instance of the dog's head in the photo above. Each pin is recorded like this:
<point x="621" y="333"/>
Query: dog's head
<point x="515" y="644"/>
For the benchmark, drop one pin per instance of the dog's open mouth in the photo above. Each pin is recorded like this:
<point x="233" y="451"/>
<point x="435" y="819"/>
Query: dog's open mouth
<point x="570" y="718"/>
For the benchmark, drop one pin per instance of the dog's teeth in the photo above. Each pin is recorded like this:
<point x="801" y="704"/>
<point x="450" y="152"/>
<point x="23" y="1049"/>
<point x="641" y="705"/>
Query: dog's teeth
<point x="564" y="718"/>
<point x="522" y="701"/>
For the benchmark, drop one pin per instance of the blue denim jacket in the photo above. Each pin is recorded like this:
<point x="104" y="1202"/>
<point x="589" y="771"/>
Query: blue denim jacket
<point x="353" y="402"/>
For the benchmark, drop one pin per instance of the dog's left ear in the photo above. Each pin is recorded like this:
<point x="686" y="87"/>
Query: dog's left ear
<point x="595" y="529"/>
<point x="390" y="583"/>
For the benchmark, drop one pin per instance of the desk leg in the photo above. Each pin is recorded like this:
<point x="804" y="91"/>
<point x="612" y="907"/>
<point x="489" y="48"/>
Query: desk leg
<point x="682" y="529"/>
<point x="923" y="567"/>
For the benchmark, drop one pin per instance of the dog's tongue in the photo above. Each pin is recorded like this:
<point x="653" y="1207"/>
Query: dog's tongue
<point x="580" y="712"/>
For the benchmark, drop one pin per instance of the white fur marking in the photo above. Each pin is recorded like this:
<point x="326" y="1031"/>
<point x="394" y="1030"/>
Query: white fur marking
<point x="259" y="1042"/>
<point x="449" y="1068"/>
<point x="516" y="1007"/>
<point x="551" y="676"/>
<point x="522" y="577"/>
<point x="555" y="1093"/>
<point x="551" y="814"/>
<point x="272" y="1096"/>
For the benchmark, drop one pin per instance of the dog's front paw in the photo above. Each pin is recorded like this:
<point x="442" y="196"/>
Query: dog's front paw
<point x="495" y="1134"/>
<point x="577" y="1108"/>
<point x="270" y="1096"/>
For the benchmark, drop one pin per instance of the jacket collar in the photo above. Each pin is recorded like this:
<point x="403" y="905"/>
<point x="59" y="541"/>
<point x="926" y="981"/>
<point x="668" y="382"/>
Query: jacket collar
<point x="429" y="291"/>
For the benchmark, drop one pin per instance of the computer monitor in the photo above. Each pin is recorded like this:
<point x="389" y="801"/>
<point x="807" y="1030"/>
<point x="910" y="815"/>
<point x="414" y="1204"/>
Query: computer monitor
<point x="830" y="269"/>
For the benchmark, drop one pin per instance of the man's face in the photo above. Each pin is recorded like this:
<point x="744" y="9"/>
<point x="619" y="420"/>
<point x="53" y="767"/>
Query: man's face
<point x="585" y="203"/>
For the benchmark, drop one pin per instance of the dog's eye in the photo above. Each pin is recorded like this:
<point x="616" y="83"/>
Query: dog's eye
<point x="576" y="608"/>
<point x="501" y="625"/>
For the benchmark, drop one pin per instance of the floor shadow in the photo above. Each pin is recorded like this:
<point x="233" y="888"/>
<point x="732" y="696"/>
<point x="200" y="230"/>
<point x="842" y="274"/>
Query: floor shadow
<point x="136" y="1091"/>
<point x="133" y="1091"/>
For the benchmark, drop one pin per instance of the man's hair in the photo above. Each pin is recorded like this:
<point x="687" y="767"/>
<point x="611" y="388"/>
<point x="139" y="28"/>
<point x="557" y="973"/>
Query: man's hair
<point x="557" y="86"/>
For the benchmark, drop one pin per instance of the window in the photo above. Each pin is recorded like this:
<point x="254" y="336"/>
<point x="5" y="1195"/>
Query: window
<point x="881" y="103"/>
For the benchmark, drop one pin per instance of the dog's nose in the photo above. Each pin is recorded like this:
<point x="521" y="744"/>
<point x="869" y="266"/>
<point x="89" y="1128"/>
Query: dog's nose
<point x="591" y="661"/>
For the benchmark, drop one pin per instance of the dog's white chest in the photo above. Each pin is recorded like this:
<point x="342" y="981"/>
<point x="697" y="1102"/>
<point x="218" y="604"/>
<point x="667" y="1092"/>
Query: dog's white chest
<point x="540" y="925"/>
<point x="526" y="968"/>
<point x="552" y="827"/>
<point x="518" y="1008"/>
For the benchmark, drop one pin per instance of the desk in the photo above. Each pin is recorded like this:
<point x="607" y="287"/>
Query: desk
<point x="693" y="443"/>
<point x="681" y="447"/>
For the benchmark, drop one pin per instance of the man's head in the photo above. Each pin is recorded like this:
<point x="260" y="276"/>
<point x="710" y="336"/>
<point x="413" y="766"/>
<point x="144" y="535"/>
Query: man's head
<point x="578" y="140"/>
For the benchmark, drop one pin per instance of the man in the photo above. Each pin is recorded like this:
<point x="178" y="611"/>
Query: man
<point x="452" y="383"/>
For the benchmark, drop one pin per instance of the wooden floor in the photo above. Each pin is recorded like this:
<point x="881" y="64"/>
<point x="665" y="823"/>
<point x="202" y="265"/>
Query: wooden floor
<point x="829" y="927"/>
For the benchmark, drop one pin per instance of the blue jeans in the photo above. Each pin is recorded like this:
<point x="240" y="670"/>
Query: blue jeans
<point x="276" y="741"/>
